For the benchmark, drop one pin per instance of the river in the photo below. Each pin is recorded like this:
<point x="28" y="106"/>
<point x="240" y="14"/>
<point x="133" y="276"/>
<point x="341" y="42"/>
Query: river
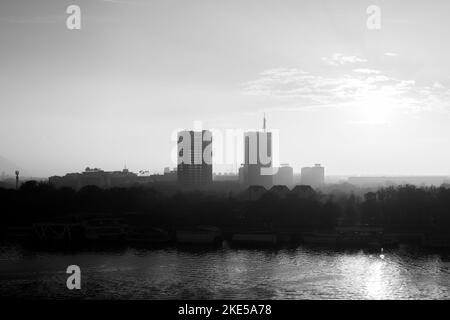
<point x="173" y="273"/>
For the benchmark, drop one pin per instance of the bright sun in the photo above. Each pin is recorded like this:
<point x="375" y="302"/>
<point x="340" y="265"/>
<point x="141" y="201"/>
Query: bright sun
<point x="376" y="108"/>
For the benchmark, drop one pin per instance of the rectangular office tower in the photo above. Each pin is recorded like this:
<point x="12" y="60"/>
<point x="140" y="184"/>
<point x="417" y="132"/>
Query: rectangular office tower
<point x="313" y="176"/>
<point x="284" y="176"/>
<point x="257" y="168"/>
<point x="194" y="158"/>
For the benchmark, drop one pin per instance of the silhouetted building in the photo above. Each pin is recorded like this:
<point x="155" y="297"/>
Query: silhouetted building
<point x="242" y="175"/>
<point x="280" y="191"/>
<point x="225" y="177"/>
<point x="257" y="168"/>
<point x="284" y="176"/>
<point x="95" y="177"/>
<point x="313" y="176"/>
<point x="168" y="176"/>
<point x="375" y="181"/>
<point x="253" y="193"/>
<point x="194" y="158"/>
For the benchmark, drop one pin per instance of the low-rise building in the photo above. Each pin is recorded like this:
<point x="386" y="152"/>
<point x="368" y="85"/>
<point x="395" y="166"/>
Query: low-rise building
<point x="95" y="177"/>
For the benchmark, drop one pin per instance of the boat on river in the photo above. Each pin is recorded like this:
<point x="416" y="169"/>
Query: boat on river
<point x="105" y="229"/>
<point x="256" y="238"/>
<point x="351" y="236"/>
<point x="200" y="235"/>
<point x="147" y="235"/>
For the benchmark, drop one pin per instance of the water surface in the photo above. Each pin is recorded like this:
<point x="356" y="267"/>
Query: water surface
<point x="170" y="273"/>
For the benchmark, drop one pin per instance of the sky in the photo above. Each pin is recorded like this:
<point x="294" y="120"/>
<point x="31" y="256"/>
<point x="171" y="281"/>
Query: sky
<point x="358" y="101"/>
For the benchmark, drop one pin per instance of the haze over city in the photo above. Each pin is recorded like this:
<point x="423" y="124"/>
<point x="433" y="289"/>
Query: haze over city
<point x="224" y="157"/>
<point x="359" y="101"/>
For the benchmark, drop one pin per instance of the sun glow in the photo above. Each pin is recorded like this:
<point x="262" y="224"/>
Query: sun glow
<point x="376" y="108"/>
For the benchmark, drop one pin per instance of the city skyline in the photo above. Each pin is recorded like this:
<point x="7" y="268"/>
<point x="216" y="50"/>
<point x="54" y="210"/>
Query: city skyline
<point x="359" y="101"/>
<point x="225" y="157"/>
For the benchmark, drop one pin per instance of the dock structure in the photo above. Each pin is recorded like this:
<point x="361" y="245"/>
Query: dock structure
<point x="55" y="230"/>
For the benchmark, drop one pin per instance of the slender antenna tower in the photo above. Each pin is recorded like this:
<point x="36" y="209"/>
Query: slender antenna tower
<point x="264" y="122"/>
<point x="17" y="179"/>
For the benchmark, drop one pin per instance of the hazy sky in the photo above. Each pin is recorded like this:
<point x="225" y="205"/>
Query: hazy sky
<point x="358" y="101"/>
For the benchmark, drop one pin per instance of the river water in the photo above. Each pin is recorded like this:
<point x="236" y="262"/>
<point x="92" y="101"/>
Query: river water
<point x="171" y="273"/>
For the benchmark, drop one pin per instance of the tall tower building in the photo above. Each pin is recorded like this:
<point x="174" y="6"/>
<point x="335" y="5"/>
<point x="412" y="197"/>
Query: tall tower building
<point x="313" y="176"/>
<point x="257" y="167"/>
<point x="194" y="158"/>
<point x="284" y="176"/>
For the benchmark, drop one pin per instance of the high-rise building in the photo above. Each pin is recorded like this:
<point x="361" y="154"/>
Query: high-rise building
<point x="257" y="167"/>
<point x="194" y="158"/>
<point x="284" y="176"/>
<point x="313" y="176"/>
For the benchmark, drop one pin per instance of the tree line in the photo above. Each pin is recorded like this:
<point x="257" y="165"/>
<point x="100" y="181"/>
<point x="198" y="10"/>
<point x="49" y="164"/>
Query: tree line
<point x="402" y="208"/>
